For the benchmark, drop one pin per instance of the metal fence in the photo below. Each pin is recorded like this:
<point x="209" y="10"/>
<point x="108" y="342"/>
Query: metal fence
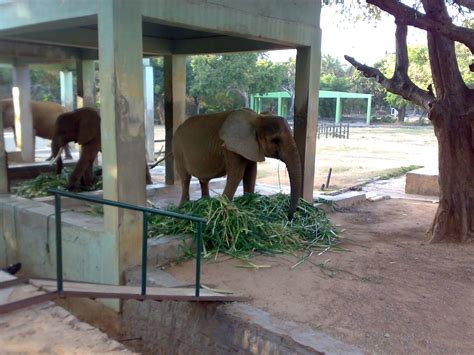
<point x="333" y="130"/>
<point x="146" y="211"/>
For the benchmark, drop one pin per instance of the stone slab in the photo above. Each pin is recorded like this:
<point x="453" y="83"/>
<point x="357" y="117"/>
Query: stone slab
<point x="422" y="181"/>
<point x="344" y="200"/>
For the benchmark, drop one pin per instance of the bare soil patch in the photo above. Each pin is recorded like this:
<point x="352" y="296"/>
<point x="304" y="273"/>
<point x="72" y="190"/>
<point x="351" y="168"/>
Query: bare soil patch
<point x="390" y="292"/>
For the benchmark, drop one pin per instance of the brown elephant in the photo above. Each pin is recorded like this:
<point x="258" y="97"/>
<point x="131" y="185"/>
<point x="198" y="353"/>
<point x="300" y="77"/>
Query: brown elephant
<point x="231" y="143"/>
<point x="44" y="115"/>
<point x="83" y="127"/>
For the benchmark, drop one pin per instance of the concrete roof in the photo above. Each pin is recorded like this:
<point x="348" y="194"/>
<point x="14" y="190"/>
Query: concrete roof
<point x="70" y="27"/>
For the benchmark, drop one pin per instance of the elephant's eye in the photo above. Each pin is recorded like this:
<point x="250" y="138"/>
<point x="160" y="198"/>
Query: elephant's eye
<point x="275" y="140"/>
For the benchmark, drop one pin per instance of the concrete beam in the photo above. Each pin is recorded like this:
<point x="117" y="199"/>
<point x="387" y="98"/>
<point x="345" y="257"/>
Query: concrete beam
<point x="122" y="125"/>
<point x="23" y="117"/>
<point x="175" y="105"/>
<point x="308" y="62"/>
<point x="222" y="44"/>
<point x="29" y="15"/>
<point x="22" y="53"/>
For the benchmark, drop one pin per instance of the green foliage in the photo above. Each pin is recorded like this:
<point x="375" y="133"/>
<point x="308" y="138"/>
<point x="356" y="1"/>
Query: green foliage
<point x="252" y="224"/>
<point x="393" y="173"/>
<point x="38" y="187"/>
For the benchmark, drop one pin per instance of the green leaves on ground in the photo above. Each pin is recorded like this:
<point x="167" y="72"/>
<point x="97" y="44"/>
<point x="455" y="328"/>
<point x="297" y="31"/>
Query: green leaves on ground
<point x="38" y="187"/>
<point x="252" y="224"/>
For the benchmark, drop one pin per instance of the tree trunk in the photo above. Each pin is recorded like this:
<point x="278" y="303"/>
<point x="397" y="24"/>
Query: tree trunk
<point x="402" y="113"/>
<point x="454" y="219"/>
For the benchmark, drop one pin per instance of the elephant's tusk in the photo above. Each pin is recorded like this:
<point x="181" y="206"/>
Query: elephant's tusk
<point x="53" y="161"/>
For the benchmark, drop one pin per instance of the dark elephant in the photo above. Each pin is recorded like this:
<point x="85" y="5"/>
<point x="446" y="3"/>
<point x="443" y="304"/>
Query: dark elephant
<point x="83" y="127"/>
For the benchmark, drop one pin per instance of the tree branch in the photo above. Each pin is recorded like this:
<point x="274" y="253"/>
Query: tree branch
<point x="469" y="4"/>
<point x="415" y="18"/>
<point x="404" y="88"/>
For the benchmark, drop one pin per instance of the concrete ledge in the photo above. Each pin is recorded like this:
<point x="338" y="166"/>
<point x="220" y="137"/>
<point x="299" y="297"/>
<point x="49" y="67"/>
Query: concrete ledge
<point x="344" y="200"/>
<point x="422" y="181"/>
<point x="180" y="327"/>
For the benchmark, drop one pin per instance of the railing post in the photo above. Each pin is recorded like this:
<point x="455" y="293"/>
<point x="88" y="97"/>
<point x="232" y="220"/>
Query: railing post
<point x="198" y="258"/>
<point x="144" y="252"/>
<point x="59" y="249"/>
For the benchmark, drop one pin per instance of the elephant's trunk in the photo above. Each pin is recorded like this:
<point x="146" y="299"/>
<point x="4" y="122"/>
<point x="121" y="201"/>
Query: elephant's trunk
<point x="56" y="150"/>
<point x="290" y="156"/>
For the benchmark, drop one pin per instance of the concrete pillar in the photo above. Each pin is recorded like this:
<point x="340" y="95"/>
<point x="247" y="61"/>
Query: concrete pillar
<point x="122" y="125"/>
<point x="149" y="95"/>
<point x="175" y="104"/>
<point x="23" y="117"/>
<point x="67" y="96"/>
<point x="308" y="62"/>
<point x="369" y="109"/>
<point x="85" y="70"/>
<point x="3" y="161"/>
<point x="338" y="109"/>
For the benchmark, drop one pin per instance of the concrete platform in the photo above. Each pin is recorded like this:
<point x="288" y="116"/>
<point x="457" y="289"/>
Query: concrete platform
<point x="47" y="328"/>
<point x="422" y="181"/>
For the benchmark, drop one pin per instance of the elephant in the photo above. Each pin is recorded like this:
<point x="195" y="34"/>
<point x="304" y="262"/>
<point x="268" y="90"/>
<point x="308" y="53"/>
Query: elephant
<point x="231" y="143"/>
<point x="44" y="115"/>
<point x="83" y="127"/>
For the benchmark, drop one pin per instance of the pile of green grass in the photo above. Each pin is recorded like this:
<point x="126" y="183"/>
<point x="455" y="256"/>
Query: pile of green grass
<point x="38" y="187"/>
<point x="252" y="224"/>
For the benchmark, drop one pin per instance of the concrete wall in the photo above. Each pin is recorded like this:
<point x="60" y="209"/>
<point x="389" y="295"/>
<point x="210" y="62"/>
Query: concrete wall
<point x="28" y="235"/>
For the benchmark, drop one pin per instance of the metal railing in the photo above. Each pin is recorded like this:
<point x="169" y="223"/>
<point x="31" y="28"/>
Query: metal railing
<point x="146" y="211"/>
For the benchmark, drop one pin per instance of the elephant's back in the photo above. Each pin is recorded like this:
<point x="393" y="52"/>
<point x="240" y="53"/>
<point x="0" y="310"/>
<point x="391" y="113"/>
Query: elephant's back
<point x="44" y="117"/>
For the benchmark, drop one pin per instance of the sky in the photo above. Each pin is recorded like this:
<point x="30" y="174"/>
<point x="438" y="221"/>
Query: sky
<point x="365" y="42"/>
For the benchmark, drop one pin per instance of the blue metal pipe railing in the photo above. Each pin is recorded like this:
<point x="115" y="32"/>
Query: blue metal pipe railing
<point x="146" y="212"/>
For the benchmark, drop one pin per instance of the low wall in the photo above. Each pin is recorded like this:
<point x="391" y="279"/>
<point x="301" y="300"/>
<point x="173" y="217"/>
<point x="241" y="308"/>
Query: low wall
<point x="28" y="235"/>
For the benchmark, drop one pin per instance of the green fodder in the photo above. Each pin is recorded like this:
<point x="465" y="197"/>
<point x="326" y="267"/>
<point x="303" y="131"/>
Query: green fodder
<point x="252" y="224"/>
<point x="38" y="187"/>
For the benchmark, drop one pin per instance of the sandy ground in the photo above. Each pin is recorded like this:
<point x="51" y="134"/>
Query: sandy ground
<point x="47" y="328"/>
<point x="391" y="292"/>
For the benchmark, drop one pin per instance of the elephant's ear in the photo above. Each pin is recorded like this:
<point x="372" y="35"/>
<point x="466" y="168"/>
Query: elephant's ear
<point x="240" y="136"/>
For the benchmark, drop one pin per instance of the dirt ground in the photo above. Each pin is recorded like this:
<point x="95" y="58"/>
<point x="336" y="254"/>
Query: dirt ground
<point x="391" y="292"/>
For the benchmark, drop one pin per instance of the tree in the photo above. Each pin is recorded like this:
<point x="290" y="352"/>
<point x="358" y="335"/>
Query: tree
<point x="449" y="101"/>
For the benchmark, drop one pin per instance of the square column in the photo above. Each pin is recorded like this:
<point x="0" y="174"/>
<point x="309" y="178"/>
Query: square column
<point x="4" y="185"/>
<point x="308" y="64"/>
<point x="149" y="95"/>
<point x="85" y="70"/>
<point x="67" y="89"/>
<point x="122" y="125"/>
<point x="175" y="104"/>
<point x="23" y="117"/>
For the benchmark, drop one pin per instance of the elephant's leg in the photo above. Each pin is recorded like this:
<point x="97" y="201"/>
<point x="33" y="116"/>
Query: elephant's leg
<point x="149" y="181"/>
<point x="86" y="160"/>
<point x="204" y="187"/>
<point x="88" y="177"/>
<point x="250" y="176"/>
<point x="59" y="166"/>
<point x="67" y="151"/>
<point x="235" y="165"/>
<point x="185" y="180"/>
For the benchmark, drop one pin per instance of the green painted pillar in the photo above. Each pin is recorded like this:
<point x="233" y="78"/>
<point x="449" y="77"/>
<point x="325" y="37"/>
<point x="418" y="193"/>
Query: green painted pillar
<point x="279" y="104"/>
<point x="122" y="125"/>
<point x="308" y="63"/>
<point x="369" y="109"/>
<point x="175" y="105"/>
<point x="338" y="109"/>
<point x="252" y="105"/>
<point x="23" y="117"/>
